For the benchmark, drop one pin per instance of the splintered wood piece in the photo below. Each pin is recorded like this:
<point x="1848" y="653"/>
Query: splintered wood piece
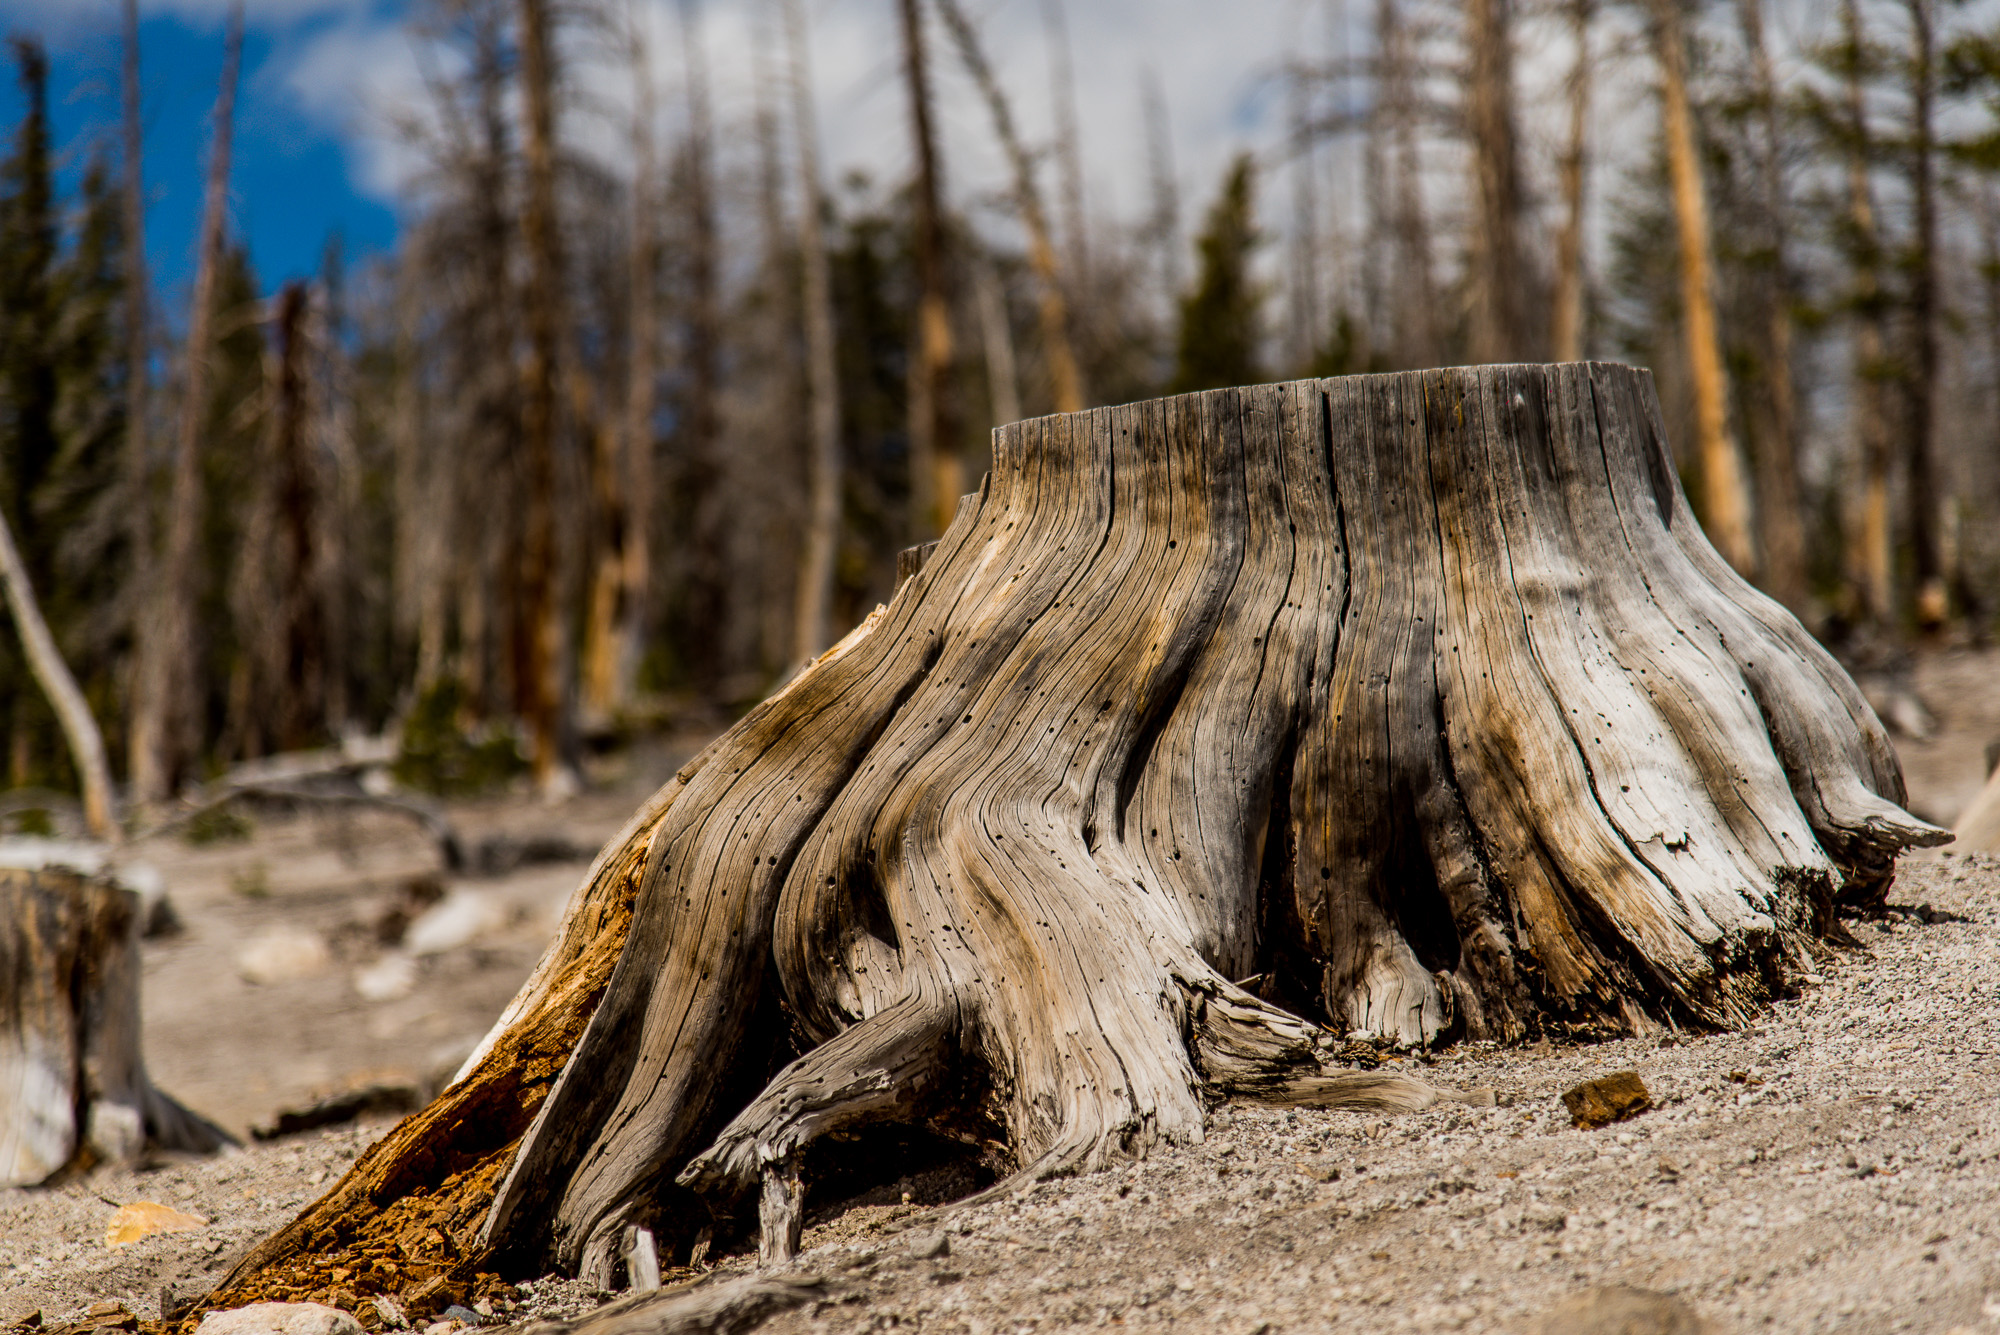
<point x="781" y="1212"/>
<point x="642" y="1259"/>
<point x="1420" y="698"/>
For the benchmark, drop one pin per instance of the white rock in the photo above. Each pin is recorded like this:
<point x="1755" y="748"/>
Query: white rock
<point x="390" y="978"/>
<point x="280" y="1319"/>
<point x="460" y="918"/>
<point x="281" y="954"/>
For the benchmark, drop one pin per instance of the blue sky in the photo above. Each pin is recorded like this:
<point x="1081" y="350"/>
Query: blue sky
<point x="323" y="77"/>
<point x="312" y="159"/>
<point x="291" y="180"/>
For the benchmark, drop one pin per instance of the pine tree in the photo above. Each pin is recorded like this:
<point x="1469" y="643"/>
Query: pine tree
<point x="1220" y="317"/>
<point x="28" y="248"/>
<point x="80" y="500"/>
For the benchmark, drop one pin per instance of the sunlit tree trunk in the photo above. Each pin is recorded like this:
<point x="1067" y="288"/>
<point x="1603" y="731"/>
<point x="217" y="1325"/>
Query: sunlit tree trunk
<point x="622" y="472"/>
<point x="1413" y="300"/>
<point x="997" y="332"/>
<point x="814" y="603"/>
<point x="167" y="656"/>
<point x="1922" y="497"/>
<point x="1065" y="382"/>
<point x="52" y="674"/>
<point x="703" y="470"/>
<point x="1499" y="315"/>
<point x="540" y="694"/>
<point x="1566" y="323"/>
<point x="1069" y="152"/>
<point x="1780" y="511"/>
<point x="138" y="462"/>
<point x="1304" y="305"/>
<point x="936" y="469"/>
<point x="1725" y="501"/>
<point x="1870" y="554"/>
<point x="1163" y="186"/>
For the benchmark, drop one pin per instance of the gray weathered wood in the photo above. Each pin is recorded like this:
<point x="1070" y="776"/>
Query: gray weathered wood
<point x="73" y="1085"/>
<point x="1420" y="699"/>
<point x="781" y="1211"/>
<point x="1421" y="692"/>
<point x="716" y="1307"/>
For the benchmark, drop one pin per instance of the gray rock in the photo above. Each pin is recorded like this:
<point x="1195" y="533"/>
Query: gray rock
<point x="1619" y="1310"/>
<point x="280" y="1319"/>
<point x="929" y="1244"/>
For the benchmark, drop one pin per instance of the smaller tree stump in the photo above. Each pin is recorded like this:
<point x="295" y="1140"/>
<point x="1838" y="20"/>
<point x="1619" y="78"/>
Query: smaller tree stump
<point x="73" y="1086"/>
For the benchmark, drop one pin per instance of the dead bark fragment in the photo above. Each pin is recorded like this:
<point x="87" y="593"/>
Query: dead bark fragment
<point x="1607" y="1099"/>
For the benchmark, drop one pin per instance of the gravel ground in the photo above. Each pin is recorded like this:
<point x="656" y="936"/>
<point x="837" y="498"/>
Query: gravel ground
<point x="1835" y="1168"/>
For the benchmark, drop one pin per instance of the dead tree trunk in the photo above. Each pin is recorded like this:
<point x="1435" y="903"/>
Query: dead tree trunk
<point x="1566" y="318"/>
<point x="166" y="657"/>
<point x="73" y="1086"/>
<point x="58" y="683"/>
<point x="1499" y="329"/>
<point x="541" y="693"/>
<point x="936" y="468"/>
<point x="1420" y="698"/>
<point x="1065" y="381"/>
<point x="1725" y="499"/>
<point x="814" y="603"/>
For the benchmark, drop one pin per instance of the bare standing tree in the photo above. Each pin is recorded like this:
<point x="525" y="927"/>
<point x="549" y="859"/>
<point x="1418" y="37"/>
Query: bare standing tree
<point x="58" y="683"/>
<point x="540" y="692"/>
<point x="1870" y="560"/>
<point x="1725" y="508"/>
<point x="1065" y="382"/>
<point x="935" y="467"/>
<point x="997" y="333"/>
<point x="1566" y="322"/>
<point x="701" y="354"/>
<point x="138" y="325"/>
<point x="1305" y="276"/>
<point x="167" y="653"/>
<point x="1921" y="385"/>
<point x="1499" y="289"/>
<point x="1414" y="295"/>
<point x="814" y="602"/>
<point x="1163" y="225"/>
<point x="1774" y="422"/>
<point x="622" y="466"/>
<point x="1069" y="147"/>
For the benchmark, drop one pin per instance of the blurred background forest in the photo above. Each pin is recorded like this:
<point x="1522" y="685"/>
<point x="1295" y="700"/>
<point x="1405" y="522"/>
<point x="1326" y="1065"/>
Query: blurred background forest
<point x="639" y="409"/>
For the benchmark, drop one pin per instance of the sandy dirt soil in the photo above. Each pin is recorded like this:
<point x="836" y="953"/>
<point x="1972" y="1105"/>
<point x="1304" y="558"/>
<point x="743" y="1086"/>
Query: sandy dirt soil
<point x="1835" y="1168"/>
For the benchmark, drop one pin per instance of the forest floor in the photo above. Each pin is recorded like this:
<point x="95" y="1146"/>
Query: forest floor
<point x="1836" y="1167"/>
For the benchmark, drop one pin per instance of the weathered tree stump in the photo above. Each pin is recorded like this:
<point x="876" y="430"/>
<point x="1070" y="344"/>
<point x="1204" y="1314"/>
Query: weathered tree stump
<point x="73" y="1086"/>
<point x="1415" y="704"/>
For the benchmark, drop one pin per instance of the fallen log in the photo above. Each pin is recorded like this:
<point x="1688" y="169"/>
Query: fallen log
<point x="73" y="1084"/>
<point x="1421" y="699"/>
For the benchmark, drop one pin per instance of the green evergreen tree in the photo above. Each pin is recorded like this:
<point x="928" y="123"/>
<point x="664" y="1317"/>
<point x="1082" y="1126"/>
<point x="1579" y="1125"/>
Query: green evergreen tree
<point x="28" y="247"/>
<point x="1222" y="315"/>
<point x="80" y="501"/>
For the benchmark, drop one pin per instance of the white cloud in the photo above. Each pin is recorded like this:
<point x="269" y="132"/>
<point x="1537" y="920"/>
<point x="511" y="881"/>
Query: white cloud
<point x="355" y="78"/>
<point x="350" y="75"/>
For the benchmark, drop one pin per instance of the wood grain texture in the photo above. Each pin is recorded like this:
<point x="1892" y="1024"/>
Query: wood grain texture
<point x="1418" y="703"/>
<point x="73" y="1086"/>
<point x="718" y="1307"/>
